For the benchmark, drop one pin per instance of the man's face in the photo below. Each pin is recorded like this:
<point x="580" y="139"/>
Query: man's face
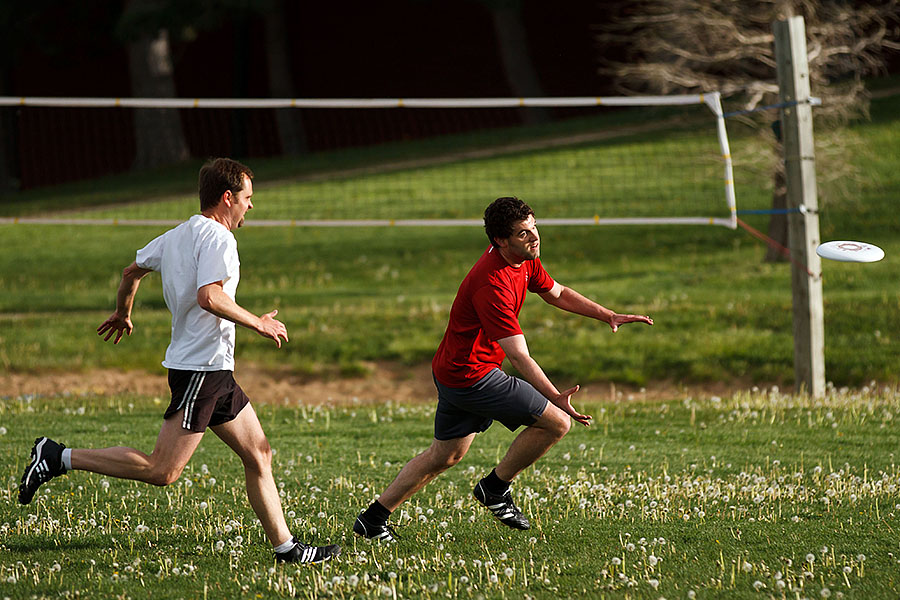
<point x="525" y="242"/>
<point x="241" y="202"/>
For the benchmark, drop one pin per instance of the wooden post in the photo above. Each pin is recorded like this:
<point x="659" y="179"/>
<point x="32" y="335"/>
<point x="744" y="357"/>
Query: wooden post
<point x="803" y="226"/>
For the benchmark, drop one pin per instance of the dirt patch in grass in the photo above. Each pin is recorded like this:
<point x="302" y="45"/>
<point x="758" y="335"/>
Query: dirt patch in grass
<point x="384" y="382"/>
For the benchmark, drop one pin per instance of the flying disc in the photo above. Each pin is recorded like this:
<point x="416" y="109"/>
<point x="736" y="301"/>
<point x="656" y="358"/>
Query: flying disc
<point x="847" y="251"/>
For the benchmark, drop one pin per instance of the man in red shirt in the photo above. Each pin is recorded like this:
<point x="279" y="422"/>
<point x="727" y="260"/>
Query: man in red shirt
<point x="473" y="391"/>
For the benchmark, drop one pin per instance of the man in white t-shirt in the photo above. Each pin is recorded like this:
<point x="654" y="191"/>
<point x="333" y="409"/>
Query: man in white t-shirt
<point x="200" y="269"/>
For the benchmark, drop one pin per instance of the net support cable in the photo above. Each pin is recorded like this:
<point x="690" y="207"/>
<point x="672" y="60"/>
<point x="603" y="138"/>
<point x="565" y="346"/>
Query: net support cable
<point x="711" y="100"/>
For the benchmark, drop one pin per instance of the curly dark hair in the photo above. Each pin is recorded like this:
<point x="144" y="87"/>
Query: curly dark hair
<point x="219" y="175"/>
<point x="502" y="214"/>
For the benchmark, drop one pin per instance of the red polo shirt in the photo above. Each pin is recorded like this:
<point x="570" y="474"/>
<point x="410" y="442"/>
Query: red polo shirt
<point x="485" y="310"/>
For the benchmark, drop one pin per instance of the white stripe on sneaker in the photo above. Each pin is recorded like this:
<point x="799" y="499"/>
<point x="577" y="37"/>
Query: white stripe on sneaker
<point x="37" y="460"/>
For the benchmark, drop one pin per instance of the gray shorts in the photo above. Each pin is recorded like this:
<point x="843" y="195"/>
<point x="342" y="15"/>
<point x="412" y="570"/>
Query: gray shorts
<point x="496" y="396"/>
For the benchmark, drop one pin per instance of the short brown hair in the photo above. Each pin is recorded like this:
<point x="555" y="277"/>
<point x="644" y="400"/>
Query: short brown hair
<point x="219" y="175"/>
<point x="502" y="214"/>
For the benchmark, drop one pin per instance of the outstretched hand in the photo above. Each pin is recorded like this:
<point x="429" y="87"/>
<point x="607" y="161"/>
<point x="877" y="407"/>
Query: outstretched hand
<point x="115" y="325"/>
<point x="564" y="401"/>
<point x="618" y="319"/>
<point x="272" y="328"/>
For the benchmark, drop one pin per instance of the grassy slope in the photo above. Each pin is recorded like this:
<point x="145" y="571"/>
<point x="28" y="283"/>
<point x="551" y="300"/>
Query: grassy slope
<point x="350" y="296"/>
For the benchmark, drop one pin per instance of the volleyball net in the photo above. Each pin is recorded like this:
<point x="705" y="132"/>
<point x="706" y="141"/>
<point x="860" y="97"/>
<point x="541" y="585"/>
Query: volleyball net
<point x="352" y="162"/>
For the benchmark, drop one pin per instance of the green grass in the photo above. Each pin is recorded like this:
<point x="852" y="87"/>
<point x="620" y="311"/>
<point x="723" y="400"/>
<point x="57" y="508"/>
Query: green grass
<point x="717" y="496"/>
<point x="351" y="296"/>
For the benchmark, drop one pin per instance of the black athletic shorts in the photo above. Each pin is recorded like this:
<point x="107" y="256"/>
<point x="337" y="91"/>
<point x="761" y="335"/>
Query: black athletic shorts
<point x="209" y="398"/>
<point x="496" y="396"/>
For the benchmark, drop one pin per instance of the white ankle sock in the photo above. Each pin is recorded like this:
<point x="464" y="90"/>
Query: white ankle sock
<point x="284" y="546"/>
<point x="67" y="459"/>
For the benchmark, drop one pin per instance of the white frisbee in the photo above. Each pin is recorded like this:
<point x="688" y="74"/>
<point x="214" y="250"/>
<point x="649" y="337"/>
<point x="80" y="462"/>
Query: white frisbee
<point x="847" y="251"/>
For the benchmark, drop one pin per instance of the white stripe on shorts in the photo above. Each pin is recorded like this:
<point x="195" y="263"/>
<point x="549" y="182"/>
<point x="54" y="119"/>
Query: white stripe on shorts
<point x="190" y="396"/>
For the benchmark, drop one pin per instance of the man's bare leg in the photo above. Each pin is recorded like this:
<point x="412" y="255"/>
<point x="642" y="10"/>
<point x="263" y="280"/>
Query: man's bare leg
<point x="493" y="490"/>
<point x="440" y="456"/>
<point x="534" y="442"/>
<point x="246" y="437"/>
<point x="174" y="448"/>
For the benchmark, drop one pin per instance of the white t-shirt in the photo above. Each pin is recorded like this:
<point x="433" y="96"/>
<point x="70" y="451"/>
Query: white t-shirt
<point x="196" y="253"/>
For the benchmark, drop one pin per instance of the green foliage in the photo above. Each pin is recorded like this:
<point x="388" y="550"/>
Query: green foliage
<point x="723" y="497"/>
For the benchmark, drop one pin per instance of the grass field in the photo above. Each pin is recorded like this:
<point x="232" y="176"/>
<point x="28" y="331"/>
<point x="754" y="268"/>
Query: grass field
<point x="756" y="496"/>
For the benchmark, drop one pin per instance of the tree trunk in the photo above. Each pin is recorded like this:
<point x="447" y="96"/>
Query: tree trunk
<point x="157" y="131"/>
<point x="513" y="46"/>
<point x="289" y="120"/>
<point x="778" y="221"/>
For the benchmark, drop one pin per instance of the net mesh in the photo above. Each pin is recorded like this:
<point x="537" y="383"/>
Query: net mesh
<point x="392" y="164"/>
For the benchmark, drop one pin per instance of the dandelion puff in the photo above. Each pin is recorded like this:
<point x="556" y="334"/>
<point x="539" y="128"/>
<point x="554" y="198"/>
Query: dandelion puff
<point x="758" y="585"/>
<point x="508" y="572"/>
<point x="654" y="583"/>
<point x="810" y="558"/>
<point x="825" y="593"/>
<point x="861" y="557"/>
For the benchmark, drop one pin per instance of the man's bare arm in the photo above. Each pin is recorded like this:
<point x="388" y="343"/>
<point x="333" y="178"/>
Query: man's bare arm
<point x="212" y="298"/>
<point x="516" y="350"/>
<point x="119" y="323"/>
<point x="569" y="300"/>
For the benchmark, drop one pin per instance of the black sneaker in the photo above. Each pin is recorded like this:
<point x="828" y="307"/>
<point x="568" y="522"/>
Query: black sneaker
<point x="303" y="553"/>
<point x="46" y="463"/>
<point x="501" y="507"/>
<point x="383" y="532"/>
